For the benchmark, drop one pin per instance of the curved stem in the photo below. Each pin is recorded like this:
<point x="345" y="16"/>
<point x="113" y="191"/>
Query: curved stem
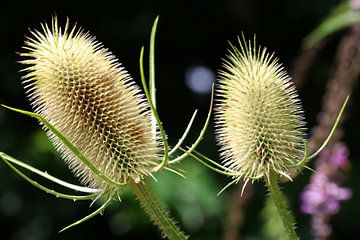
<point x="337" y="121"/>
<point x="205" y="158"/>
<point x="157" y="212"/>
<point x="91" y="215"/>
<point x="165" y="160"/>
<point x="176" y="171"/>
<point x="46" y="175"/>
<point x="48" y="190"/>
<point x="281" y="205"/>
<point x="152" y="73"/>
<point x="181" y="140"/>
<point x="305" y="157"/>
<point x="227" y="185"/>
<point x="201" y="135"/>
<point x="226" y="172"/>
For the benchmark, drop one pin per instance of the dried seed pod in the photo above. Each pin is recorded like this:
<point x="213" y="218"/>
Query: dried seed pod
<point x="82" y="89"/>
<point x="260" y="127"/>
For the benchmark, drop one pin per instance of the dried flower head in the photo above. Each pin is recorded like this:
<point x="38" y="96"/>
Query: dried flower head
<point x="83" y="91"/>
<point x="260" y="127"/>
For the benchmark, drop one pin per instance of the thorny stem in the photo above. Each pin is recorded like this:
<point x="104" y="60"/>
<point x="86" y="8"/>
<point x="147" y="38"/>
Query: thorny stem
<point x="157" y="211"/>
<point x="282" y="205"/>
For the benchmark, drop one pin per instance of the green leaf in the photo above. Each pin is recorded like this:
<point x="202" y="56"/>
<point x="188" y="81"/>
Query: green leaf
<point x="340" y="19"/>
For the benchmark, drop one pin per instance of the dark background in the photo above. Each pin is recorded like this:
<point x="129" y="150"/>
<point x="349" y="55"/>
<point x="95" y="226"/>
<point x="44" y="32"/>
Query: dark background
<point x="189" y="33"/>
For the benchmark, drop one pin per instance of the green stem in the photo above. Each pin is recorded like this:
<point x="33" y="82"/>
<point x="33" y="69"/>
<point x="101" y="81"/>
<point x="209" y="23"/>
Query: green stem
<point x="157" y="211"/>
<point x="282" y="205"/>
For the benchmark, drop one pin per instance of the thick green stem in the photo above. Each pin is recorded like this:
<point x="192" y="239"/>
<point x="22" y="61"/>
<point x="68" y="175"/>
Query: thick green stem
<point x="157" y="211"/>
<point x="282" y="205"/>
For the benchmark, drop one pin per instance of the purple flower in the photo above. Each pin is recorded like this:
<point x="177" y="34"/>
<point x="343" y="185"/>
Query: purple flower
<point x="322" y="196"/>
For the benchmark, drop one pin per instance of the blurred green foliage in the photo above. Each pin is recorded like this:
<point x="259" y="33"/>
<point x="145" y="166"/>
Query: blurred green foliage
<point x="273" y="228"/>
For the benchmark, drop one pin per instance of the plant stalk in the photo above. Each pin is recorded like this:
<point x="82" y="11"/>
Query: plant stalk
<point x="157" y="211"/>
<point x="282" y="205"/>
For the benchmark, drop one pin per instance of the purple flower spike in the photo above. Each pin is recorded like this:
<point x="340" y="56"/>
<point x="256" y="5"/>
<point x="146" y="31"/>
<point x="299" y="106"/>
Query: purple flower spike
<point x="322" y="196"/>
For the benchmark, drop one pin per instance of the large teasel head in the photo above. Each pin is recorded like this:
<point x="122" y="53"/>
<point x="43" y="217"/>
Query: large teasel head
<point x="85" y="93"/>
<point x="109" y="134"/>
<point x="260" y="126"/>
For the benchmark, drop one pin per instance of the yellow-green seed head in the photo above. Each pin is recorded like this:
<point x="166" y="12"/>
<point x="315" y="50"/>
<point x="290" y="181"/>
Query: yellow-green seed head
<point x="260" y="127"/>
<point x="82" y="89"/>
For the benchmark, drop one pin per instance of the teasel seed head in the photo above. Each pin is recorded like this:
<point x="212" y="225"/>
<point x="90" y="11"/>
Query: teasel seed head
<point x="82" y="89"/>
<point x="259" y="118"/>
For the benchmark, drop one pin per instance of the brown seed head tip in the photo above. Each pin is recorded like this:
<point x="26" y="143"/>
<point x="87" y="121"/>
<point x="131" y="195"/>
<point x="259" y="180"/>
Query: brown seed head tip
<point x="82" y="89"/>
<point x="260" y="126"/>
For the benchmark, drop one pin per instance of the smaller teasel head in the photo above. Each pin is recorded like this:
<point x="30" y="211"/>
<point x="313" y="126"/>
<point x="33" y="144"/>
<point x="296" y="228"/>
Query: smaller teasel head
<point x="84" y="92"/>
<point x="259" y="118"/>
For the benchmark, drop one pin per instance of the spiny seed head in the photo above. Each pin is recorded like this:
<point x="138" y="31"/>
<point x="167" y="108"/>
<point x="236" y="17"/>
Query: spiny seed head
<point x="82" y="89"/>
<point x="260" y="127"/>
